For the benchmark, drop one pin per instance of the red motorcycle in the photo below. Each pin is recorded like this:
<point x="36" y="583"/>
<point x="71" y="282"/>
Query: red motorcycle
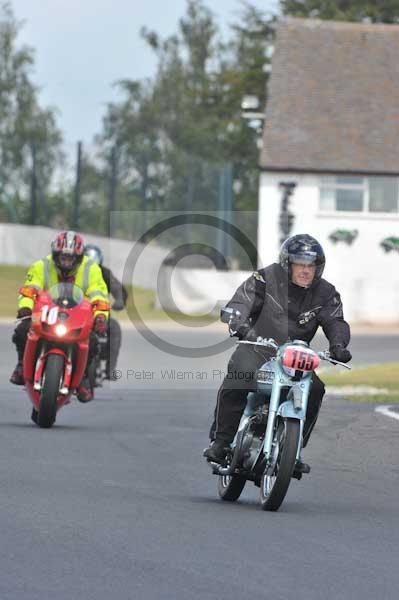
<point x="57" y="347"/>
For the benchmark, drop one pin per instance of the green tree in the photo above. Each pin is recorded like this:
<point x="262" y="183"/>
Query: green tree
<point x="384" y="11"/>
<point x="252" y="36"/>
<point x="175" y="132"/>
<point x="131" y="128"/>
<point x="26" y="129"/>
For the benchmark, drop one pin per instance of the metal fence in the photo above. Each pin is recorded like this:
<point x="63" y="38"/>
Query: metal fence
<point x="94" y="191"/>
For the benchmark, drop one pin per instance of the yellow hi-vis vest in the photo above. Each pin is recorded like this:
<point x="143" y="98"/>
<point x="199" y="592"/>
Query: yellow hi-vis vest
<point x="43" y="274"/>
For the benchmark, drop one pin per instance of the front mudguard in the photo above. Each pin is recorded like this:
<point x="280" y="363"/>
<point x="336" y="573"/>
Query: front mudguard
<point x="286" y="410"/>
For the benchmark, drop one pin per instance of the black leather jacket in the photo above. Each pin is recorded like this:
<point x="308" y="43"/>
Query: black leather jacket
<point x="278" y="308"/>
<point x="115" y="287"/>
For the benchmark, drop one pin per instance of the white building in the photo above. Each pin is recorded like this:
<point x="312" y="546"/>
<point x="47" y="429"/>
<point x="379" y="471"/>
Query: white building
<point x="332" y="127"/>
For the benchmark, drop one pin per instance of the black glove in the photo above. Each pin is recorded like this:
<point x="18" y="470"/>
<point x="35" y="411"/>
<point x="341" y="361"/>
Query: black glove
<point x="118" y="305"/>
<point x="24" y="312"/>
<point x="242" y="330"/>
<point x="338" y="352"/>
<point x="250" y="336"/>
<point x="237" y="328"/>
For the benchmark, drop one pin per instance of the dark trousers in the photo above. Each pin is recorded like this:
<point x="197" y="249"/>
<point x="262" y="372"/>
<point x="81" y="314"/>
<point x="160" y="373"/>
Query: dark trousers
<point x="19" y="337"/>
<point x="241" y="379"/>
<point x="114" y="343"/>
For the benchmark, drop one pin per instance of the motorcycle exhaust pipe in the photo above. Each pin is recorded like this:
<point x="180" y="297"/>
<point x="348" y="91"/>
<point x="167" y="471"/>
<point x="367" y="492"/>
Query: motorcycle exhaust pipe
<point x="226" y="470"/>
<point x="218" y="469"/>
<point x="230" y="470"/>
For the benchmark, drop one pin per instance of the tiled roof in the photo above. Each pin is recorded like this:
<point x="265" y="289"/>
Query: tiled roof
<point x="333" y="102"/>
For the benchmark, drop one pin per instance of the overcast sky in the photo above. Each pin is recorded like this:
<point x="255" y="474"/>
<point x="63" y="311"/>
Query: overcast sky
<point x="83" y="46"/>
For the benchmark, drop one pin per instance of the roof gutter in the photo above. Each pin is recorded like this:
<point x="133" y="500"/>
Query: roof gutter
<point x="311" y="171"/>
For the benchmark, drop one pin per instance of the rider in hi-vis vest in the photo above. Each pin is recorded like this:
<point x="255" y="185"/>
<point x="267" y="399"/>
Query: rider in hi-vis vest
<point x="66" y="263"/>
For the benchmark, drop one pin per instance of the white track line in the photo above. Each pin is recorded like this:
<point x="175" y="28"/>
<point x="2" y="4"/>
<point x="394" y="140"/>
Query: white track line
<point x="385" y="410"/>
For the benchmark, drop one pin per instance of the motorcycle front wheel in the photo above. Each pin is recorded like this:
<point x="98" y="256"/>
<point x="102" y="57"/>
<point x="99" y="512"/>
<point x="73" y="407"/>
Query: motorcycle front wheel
<point x="54" y="371"/>
<point x="277" y="477"/>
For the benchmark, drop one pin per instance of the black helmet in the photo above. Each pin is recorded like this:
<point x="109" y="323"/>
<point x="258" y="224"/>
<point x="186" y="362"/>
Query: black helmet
<point x="94" y="253"/>
<point x="303" y="249"/>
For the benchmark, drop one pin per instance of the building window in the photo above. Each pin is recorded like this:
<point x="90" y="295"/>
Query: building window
<point x="359" y="194"/>
<point x="383" y="194"/>
<point x="342" y="193"/>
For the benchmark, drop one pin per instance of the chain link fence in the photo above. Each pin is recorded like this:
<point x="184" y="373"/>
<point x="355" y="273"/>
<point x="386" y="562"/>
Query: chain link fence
<point x="93" y="183"/>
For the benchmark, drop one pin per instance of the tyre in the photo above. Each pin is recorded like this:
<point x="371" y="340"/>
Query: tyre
<point x="92" y="371"/>
<point x="53" y="373"/>
<point x="230" y="487"/>
<point x="276" y="479"/>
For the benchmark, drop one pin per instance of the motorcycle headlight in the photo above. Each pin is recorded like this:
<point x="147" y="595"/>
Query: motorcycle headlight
<point x="60" y="330"/>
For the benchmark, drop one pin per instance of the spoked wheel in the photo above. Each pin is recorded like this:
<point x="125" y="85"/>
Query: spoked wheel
<point x="230" y="487"/>
<point x="277" y="476"/>
<point x="54" y="370"/>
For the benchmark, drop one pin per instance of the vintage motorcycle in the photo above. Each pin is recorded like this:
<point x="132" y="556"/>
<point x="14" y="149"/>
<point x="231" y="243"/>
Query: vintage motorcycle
<point x="57" y="347"/>
<point x="269" y="437"/>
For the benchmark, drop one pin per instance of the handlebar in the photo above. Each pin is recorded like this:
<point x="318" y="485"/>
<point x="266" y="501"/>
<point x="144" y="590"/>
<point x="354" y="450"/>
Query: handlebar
<point x="271" y="343"/>
<point x="325" y="355"/>
<point x="267" y="342"/>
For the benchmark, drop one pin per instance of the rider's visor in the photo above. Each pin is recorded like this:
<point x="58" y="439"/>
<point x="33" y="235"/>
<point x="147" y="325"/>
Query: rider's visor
<point x="303" y="259"/>
<point x="67" y="261"/>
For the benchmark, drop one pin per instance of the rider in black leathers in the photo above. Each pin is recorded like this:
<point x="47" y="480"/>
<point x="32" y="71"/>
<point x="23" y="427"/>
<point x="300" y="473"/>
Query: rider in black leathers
<point x="273" y="306"/>
<point x="119" y="294"/>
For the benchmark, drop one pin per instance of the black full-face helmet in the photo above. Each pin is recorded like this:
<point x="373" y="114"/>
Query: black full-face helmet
<point x="302" y="249"/>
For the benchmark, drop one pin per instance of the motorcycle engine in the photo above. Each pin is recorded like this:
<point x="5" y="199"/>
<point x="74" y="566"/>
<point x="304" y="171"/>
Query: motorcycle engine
<point x="251" y="453"/>
<point x="254" y="438"/>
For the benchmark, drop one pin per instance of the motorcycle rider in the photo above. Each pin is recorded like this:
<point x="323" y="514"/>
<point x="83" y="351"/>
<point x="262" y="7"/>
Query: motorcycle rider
<point x="66" y="263"/>
<point x="285" y="300"/>
<point x="119" y="293"/>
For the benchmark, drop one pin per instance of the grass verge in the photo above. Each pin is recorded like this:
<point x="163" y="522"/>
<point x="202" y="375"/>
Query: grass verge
<point x="377" y="376"/>
<point x="12" y="278"/>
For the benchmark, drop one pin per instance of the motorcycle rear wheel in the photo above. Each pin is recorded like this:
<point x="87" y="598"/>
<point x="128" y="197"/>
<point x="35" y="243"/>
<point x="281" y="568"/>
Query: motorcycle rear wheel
<point x="273" y="487"/>
<point x="230" y="487"/>
<point x="54" y="370"/>
<point x="92" y="371"/>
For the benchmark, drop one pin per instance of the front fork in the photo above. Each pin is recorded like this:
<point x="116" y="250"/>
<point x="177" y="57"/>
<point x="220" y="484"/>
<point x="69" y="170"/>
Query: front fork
<point x="293" y="408"/>
<point x="271" y="420"/>
<point x="39" y="371"/>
